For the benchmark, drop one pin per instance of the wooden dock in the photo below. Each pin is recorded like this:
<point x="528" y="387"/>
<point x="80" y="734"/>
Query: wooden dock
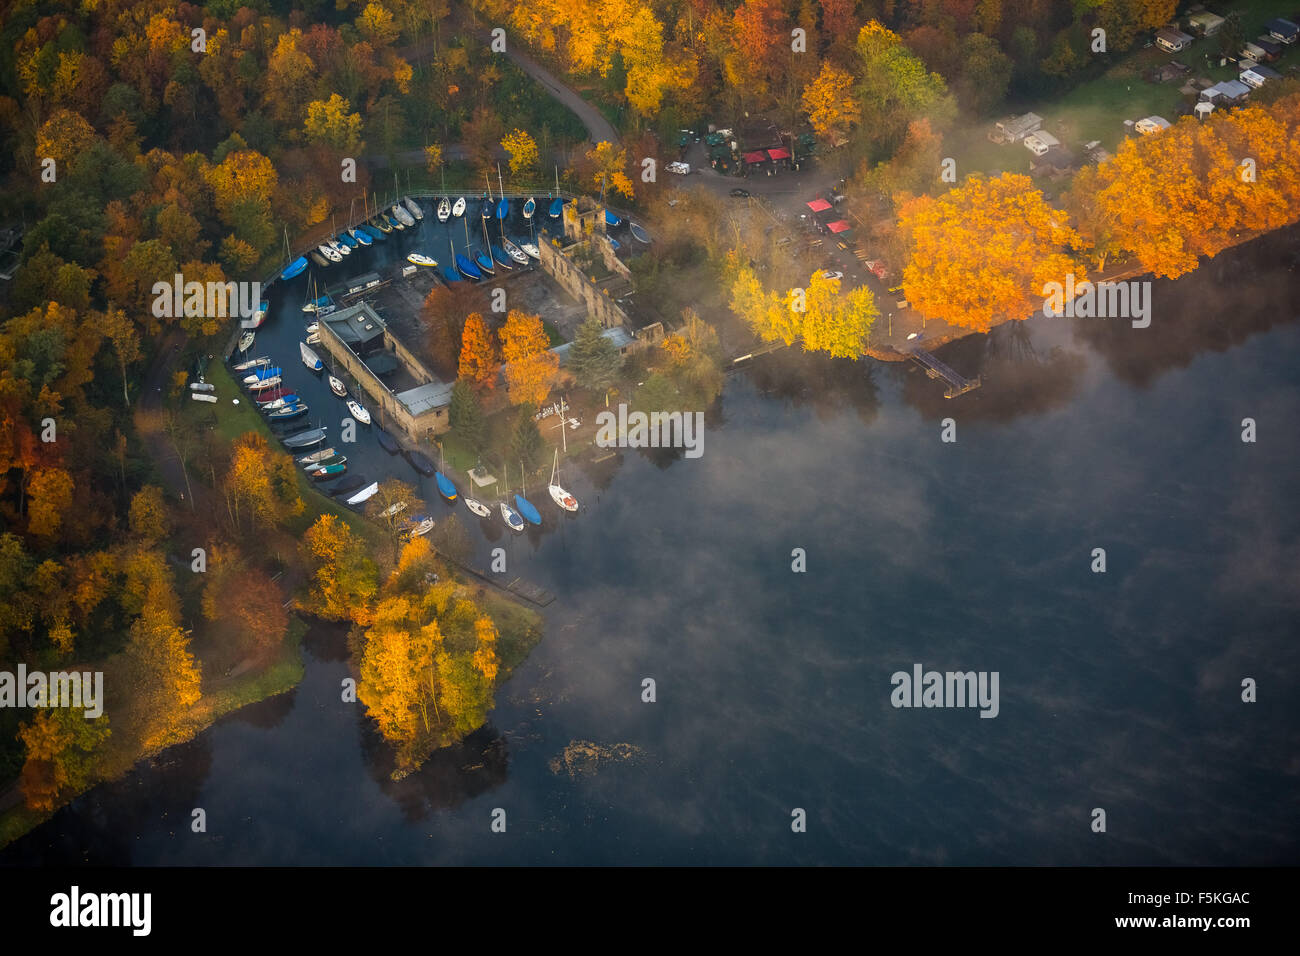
<point x="957" y="385"/>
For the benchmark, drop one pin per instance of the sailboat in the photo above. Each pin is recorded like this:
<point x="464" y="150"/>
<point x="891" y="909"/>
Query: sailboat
<point x="445" y="486"/>
<point x="261" y="374"/>
<point x="476" y="506"/>
<point x="305" y="439"/>
<point x="246" y="341"/>
<point x="484" y="259"/>
<point x="508" y="514"/>
<point x="420" y="525"/>
<point x="337" y="387"/>
<point x="557" y="205"/>
<point x="251" y="363"/>
<point x="316" y="457"/>
<point x="530" y="207"/>
<point x="296" y="267"/>
<point x="358" y="235"/>
<point x="420" y="259"/>
<point x="458" y="207"/>
<point x="525" y="506"/>
<point x="399" y="211"/>
<point x="310" y="358"/>
<point x="514" y="252"/>
<point x="444" y="209"/>
<point x="413" y="208"/>
<point x="365" y="494"/>
<point x="558" y="494"/>
<point x="463" y="265"/>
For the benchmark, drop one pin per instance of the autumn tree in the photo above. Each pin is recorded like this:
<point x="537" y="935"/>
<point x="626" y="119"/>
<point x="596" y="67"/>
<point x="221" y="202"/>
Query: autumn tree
<point x="244" y="605"/>
<point x="148" y="516"/>
<point x="895" y="88"/>
<point x="522" y="150"/>
<point x="479" y="362"/>
<point x="330" y="124"/>
<point x="61" y="746"/>
<point x="164" y="677"/>
<point x="1169" y="199"/>
<point x="984" y="251"/>
<point x="530" y="366"/>
<point x="344" y="578"/>
<point x="398" y="683"/>
<point x="608" y="169"/>
<point x="261" y="485"/>
<point x="50" y="496"/>
<point x="830" y="104"/>
<point x="433" y="157"/>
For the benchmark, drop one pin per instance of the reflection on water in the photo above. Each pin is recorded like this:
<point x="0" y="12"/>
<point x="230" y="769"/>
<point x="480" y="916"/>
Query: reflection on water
<point x="1118" y="691"/>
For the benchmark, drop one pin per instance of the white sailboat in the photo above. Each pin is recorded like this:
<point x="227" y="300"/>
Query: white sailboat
<point x="365" y="494"/>
<point x="509" y="515"/>
<point x="309" y="357"/>
<point x="558" y="494"/>
<point x="337" y="387"/>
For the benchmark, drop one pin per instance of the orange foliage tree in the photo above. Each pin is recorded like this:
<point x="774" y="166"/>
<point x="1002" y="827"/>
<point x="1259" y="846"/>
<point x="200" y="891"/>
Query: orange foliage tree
<point x="531" y="366"/>
<point x="479" y="362"/>
<point x="984" y="251"/>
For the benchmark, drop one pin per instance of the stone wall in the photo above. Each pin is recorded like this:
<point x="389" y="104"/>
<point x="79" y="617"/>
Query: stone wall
<point x="575" y="282"/>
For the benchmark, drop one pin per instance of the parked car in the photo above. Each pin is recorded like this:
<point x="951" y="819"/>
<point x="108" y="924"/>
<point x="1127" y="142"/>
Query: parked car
<point x="831" y="274"/>
<point x="739" y="193"/>
<point x="877" y="268"/>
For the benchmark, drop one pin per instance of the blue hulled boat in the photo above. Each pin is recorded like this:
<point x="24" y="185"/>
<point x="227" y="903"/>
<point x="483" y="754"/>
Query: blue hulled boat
<point x="294" y="268"/>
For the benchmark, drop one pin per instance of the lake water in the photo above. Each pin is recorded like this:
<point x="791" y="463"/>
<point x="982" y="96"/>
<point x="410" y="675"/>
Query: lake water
<point x="1119" y="691"/>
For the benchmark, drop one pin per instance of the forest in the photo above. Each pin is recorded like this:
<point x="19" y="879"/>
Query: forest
<point x="142" y="139"/>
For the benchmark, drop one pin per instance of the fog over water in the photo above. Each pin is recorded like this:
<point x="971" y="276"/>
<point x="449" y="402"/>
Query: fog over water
<point x="1119" y="690"/>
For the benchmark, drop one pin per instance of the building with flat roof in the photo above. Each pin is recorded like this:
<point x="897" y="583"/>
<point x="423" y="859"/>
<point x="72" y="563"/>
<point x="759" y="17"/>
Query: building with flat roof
<point x="400" y="389"/>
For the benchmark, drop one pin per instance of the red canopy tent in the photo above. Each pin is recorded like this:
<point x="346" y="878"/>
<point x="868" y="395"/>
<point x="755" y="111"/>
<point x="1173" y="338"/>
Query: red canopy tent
<point x="839" y="226"/>
<point x="758" y="157"/>
<point x="779" y="153"/>
<point x="819" y="205"/>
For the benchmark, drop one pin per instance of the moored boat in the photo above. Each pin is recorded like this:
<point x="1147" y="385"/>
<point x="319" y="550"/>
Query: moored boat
<point x="503" y="208"/>
<point x="420" y="525"/>
<point x="337" y="387"/>
<point x="262" y="374"/>
<point x="358" y="411"/>
<point x="288" y="412"/>
<point x="514" y="252"/>
<point x="458" y="207"/>
<point x="387" y="442"/>
<point x="402" y="216"/>
<point x="558" y="494"/>
<point x="264" y="384"/>
<point x="444" y="209"/>
<point x="246" y="341"/>
<point x="503" y="260"/>
<point x="446" y="487"/>
<point x="320" y="260"/>
<point x="310" y="358"/>
<point x="351" y="483"/>
<point x="420" y="462"/>
<point x="294" y="268"/>
<point x="365" y="494"/>
<point x="316" y="457"/>
<point x="476" y="506"/>
<point x="251" y="363"/>
<point x="557" y="207"/>
<point x="638" y="233"/>
<point x="484" y="262"/>
<point x="530" y="207"/>
<point x="328" y="471"/>
<point x="359" y="235"/>
<point x="531" y="250"/>
<point x="346" y="241"/>
<point x="413" y="208"/>
<point x="467" y="268"/>
<point x="305" y="439"/>
<point x="420" y="259"/>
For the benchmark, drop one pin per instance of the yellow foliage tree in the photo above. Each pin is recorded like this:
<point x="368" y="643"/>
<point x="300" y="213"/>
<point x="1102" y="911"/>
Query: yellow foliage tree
<point x="522" y="150"/>
<point x="330" y="123"/>
<point x="829" y="102"/>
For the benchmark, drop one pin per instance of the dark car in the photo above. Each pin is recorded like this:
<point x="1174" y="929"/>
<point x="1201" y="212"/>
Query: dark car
<point x="740" y="193"/>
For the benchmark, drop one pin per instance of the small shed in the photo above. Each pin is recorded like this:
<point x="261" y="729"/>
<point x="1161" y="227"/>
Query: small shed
<point x="1205" y="23"/>
<point x="1203" y="109"/>
<point x="1016" y="128"/>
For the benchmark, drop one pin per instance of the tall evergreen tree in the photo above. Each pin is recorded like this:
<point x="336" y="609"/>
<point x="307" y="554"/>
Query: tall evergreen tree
<point x="594" y="359"/>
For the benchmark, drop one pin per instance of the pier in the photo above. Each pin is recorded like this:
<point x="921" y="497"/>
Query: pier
<point x="957" y="385"/>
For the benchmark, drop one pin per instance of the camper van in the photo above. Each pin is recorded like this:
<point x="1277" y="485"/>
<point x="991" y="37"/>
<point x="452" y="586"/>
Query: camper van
<point x="1040" y="142"/>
